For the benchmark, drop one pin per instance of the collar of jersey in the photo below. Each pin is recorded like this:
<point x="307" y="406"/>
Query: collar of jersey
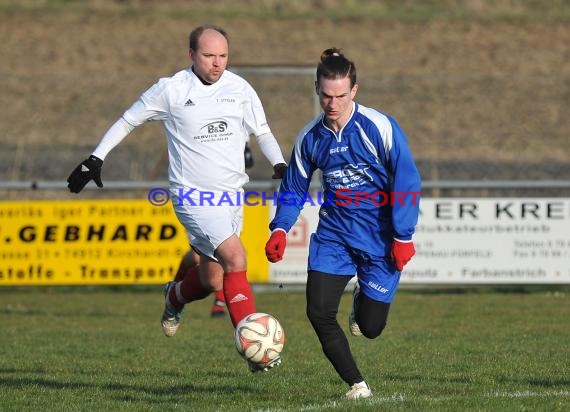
<point x="348" y="125"/>
<point x="201" y="82"/>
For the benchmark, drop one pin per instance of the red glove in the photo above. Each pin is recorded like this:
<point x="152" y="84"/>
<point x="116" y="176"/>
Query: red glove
<point x="275" y="247"/>
<point x="402" y="252"/>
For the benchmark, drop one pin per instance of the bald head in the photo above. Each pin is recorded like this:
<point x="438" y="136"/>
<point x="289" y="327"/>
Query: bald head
<point x="197" y="32"/>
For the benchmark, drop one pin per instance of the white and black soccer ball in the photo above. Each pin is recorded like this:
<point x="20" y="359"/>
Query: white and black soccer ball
<point x="259" y="338"/>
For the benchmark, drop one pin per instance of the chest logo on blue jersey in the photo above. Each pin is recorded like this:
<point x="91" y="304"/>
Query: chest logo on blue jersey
<point x="338" y="149"/>
<point x="349" y="176"/>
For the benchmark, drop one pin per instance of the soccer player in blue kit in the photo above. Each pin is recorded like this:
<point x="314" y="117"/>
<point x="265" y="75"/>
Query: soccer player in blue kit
<point x="371" y="189"/>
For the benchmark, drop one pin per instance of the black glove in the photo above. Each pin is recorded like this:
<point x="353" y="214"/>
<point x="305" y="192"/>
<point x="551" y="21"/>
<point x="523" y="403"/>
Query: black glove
<point x="83" y="173"/>
<point x="279" y="170"/>
<point x="248" y="157"/>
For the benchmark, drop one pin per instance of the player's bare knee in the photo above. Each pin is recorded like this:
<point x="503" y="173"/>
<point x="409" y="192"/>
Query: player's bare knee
<point x="234" y="264"/>
<point x="231" y="255"/>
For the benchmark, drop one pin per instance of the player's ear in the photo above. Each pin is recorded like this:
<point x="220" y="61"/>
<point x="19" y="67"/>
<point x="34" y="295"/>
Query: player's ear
<point x="317" y="87"/>
<point x="354" y="90"/>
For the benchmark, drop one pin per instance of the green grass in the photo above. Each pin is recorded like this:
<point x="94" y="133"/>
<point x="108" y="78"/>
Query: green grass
<point x="103" y="350"/>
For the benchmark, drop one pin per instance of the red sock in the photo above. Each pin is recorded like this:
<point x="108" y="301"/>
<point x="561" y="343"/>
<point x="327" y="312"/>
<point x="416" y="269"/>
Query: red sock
<point x="220" y="297"/>
<point x="239" y="297"/>
<point x="219" y="305"/>
<point x="188" y="290"/>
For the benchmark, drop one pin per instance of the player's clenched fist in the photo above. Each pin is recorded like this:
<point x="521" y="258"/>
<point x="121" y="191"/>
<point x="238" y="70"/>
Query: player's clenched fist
<point x="402" y="252"/>
<point x="89" y="169"/>
<point x="275" y="247"/>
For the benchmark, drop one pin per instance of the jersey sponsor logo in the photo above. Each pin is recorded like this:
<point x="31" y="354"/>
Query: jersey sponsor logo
<point x="349" y="176"/>
<point x="215" y="127"/>
<point x="339" y="149"/>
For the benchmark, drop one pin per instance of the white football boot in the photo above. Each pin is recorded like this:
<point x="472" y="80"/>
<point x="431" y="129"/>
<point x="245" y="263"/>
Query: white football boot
<point x="170" y="317"/>
<point x="352" y="325"/>
<point x="256" y="367"/>
<point x="359" y="390"/>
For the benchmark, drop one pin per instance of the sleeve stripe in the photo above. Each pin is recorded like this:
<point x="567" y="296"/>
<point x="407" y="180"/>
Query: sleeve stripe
<point x="383" y="125"/>
<point x="299" y="144"/>
<point x="298" y="157"/>
<point x="367" y="142"/>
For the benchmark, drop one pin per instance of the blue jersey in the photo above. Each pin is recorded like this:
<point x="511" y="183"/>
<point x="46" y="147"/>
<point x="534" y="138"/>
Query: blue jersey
<point x="370" y="183"/>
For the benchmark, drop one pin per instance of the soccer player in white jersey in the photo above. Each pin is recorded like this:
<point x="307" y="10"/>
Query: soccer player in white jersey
<point x="207" y="114"/>
<point x="365" y="160"/>
<point x="192" y="259"/>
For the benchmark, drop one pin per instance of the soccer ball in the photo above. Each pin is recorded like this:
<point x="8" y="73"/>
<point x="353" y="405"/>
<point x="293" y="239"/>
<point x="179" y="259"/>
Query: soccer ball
<point x="259" y="338"/>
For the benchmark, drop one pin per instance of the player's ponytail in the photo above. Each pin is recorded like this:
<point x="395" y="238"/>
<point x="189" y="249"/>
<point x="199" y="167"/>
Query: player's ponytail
<point x="334" y="65"/>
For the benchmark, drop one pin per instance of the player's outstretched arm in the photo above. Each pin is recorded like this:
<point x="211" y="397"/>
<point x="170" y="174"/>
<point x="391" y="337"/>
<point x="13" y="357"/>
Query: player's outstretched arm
<point x="90" y="168"/>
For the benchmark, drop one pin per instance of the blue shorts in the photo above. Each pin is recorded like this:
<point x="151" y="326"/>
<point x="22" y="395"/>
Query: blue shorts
<point x="377" y="275"/>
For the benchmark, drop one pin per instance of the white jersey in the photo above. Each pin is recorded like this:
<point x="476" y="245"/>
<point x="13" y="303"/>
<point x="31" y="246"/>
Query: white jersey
<point x="206" y="127"/>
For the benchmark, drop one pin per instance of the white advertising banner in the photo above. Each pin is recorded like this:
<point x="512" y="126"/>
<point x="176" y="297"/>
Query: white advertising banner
<point x="467" y="241"/>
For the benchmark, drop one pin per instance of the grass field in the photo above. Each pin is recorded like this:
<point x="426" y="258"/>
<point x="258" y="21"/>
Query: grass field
<point x="103" y="350"/>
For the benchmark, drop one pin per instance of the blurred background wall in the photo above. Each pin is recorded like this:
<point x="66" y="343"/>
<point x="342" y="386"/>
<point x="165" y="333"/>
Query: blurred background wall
<point x="481" y="87"/>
